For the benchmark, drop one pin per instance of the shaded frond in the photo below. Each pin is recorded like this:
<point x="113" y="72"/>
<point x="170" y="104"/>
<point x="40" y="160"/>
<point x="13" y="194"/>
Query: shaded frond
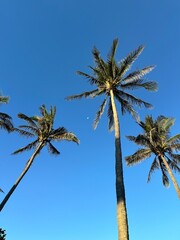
<point x="138" y="156"/>
<point x="99" y="113"/>
<point x="29" y="120"/>
<point x="110" y="117"/>
<point x="85" y="94"/>
<point x="4" y="99"/>
<point x="154" y="166"/>
<point x="91" y="79"/>
<point x="23" y="132"/>
<point x="28" y="147"/>
<point x="165" y="178"/>
<point x="52" y="149"/>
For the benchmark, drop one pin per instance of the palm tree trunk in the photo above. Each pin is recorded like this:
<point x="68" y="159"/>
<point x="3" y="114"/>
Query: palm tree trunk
<point x="122" y="220"/>
<point x="28" y="165"/>
<point x="176" y="186"/>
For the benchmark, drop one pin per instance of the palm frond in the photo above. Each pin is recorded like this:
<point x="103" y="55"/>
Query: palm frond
<point x="128" y="61"/>
<point x="4" y="99"/>
<point x="154" y="166"/>
<point x="99" y="113"/>
<point x="175" y="157"/>
<point x="99" y="61"/>
<point x="173" y="164"/>
<point x="141" y="140"/>
<point x="24" y="132"/>
<point x="28" y="147"/>
<point x="110" y="117"/>
<point x="52" y="149"/>
<point x="112" y="52"/>
<point x="68" y="136"/>
<point x="92" y="80"/>
<point x="138" y="156"/>
<point x="132" y="100"/>
<point x="136" y="75"/>
<point x="165" y="178"/>
<point x="85" y="94"/>
<point x="29" y="120"/>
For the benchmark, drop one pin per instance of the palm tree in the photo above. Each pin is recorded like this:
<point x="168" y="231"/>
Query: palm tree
<point x="40" y="127"/>
<point x="156" y="140"/>
<point x="5" y="119"/>
<point x="111" y="80"/>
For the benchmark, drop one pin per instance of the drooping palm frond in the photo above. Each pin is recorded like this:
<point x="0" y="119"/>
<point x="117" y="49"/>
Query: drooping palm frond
<point x="29" y="120"/>
<point x="24" y="132"/>
<point x="154" y="166"/>
<point x="138" y="156"/>
<point x="27" y="147"/>
<point x="52" y="149"/>
<point x="92" y="80"/>
<point x="133" y="100"/>
<point x="99" y="113"/>
<point x="165" y="178"/>
<point x="110" y="117"/>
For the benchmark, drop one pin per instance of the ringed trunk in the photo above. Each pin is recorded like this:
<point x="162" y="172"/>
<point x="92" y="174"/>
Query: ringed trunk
<point x="28" y="165"/>
<point x="176" y="186"/>
<point x="122" y="220"/>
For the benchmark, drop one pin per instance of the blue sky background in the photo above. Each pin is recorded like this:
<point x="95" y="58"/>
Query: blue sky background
<point x="72" y="197"/>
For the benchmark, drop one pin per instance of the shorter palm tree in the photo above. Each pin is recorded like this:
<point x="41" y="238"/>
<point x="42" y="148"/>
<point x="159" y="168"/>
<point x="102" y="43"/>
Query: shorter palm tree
<point x="40" y="127"/>
<point x="156" y="140"/>
<point x="5" y="119"/>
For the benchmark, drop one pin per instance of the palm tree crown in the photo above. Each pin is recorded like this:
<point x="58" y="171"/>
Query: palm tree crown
<point x="156" y="140"/>
<point x="111" y="76"/>
<point x="41" y="127"/>
<point x="5" y="119"/>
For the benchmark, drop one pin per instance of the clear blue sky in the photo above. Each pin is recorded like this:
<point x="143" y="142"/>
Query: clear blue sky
<point x="72" y="197"/>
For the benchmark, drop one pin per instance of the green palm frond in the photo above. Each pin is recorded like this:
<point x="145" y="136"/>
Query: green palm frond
<point x="92" y="80"/>
<point x="4" y="99"/>
<point x="127" y="62"/>
<point x="99" y="113"/>
<point x="99" y="61"/>
<point x="29" y="120"/>
<point x="26" y="148"/>
<point x="85" y="94"/>
<point x="139" y="140"/>
<point x="138" y="156"/>
<point x="24" y="132"/>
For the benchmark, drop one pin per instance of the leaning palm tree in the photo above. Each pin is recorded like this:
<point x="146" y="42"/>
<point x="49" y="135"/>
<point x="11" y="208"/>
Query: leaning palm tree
<point x="42" y="128"/>
<point x="111" y="80"/>
<point x="156" y="140"/>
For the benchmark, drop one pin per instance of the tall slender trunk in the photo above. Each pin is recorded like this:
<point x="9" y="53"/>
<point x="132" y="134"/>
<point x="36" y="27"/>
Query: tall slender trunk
<point x="122" y="220"/>
<point x="28" y="165"/>
<point x="176" y="186"/>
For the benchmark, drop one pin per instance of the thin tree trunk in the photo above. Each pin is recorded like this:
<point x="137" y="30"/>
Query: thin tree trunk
<point x="122" y="220"/>
<point x="28" y="165"/>
<point x="176" y="186"/>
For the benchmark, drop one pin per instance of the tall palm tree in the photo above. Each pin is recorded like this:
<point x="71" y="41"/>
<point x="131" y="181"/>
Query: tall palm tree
<point x="156" y="140"/>
<point x="42" y="128"/>
<point x="111" y="80"/>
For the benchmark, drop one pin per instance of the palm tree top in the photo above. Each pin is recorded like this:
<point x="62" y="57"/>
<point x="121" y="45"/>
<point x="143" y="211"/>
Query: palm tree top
<point x="111" y="75"/>
<point x="42" y="128"/>
<point x="156" y="139"/>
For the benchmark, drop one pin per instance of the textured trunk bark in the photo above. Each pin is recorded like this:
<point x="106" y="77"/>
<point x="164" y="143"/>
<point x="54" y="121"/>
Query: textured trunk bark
<point x="171" y="176"/>
<point x="122" y="220"/>
<point x="28" y="165"/>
